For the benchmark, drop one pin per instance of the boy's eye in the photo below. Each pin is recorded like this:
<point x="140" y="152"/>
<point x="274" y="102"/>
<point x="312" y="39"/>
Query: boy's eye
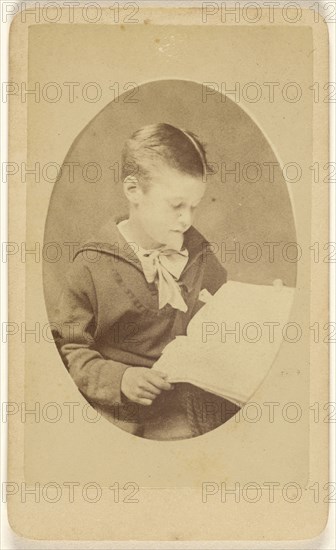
<point x="177" y="206"/>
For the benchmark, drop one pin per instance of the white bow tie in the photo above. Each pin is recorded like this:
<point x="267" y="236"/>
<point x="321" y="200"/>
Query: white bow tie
<point x="164" y="267"/>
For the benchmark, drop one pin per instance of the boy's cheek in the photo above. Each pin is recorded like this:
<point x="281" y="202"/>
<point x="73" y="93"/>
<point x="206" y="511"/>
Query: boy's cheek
<point x="161" y="220"/>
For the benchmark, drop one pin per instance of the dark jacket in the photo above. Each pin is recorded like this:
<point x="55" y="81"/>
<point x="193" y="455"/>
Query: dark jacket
<point x="110" y="320"/>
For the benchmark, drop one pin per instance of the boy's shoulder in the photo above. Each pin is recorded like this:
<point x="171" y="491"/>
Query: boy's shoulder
<point x="106" y="241"/>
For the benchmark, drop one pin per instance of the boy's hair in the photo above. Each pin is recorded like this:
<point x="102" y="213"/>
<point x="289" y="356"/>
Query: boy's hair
<point x="166" y="145"/>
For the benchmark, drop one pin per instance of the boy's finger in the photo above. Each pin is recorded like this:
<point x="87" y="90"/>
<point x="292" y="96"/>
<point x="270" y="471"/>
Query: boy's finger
<point x="148" y="386"/>
<point x="148" y="394"/>
<point x="144" y="401"/>
<point x="160" y="373"/>
<point x="157" y="381"/>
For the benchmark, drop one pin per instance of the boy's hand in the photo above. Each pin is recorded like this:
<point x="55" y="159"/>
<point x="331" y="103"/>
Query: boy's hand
<point x="142" y="385"/>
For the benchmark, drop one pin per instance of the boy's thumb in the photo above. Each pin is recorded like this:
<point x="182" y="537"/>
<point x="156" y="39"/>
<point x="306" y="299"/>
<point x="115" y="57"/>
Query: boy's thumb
<point x="163" y="375"/>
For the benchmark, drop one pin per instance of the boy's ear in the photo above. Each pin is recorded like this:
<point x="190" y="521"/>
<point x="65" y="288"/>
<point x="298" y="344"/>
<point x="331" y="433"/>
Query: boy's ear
<point x="132" y="189"/>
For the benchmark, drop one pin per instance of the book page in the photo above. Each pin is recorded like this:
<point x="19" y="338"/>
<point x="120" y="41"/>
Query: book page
<point x="232" y="341"/>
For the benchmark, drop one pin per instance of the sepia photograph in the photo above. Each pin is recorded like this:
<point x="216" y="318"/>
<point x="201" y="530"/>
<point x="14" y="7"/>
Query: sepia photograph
<point x="169" y="330"/>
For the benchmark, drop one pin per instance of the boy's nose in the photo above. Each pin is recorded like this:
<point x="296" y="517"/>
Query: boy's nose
<point x="185" y="220"/>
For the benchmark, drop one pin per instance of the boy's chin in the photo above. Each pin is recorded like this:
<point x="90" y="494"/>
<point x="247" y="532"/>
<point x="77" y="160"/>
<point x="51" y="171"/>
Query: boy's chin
<point x="174" y="240"/>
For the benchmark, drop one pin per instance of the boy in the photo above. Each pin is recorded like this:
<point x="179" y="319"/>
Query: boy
<point x="143" y="289"/>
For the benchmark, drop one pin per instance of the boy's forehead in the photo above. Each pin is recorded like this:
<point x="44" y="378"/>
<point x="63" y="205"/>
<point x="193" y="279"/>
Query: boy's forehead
<point x="170" y="182"/>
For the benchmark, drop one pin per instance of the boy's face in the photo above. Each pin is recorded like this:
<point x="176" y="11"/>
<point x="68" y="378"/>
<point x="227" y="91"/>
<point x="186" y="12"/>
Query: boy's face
<point x="166" y="209"/>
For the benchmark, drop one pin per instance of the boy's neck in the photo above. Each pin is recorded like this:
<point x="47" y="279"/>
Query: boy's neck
<point x="137" y="235"/>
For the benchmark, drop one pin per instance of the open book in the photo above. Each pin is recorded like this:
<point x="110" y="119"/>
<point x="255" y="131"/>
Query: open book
<point x="232" y="341"/>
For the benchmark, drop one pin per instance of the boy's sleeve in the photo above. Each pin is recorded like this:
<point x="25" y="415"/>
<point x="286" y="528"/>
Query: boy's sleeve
<point x="98" y="379"/>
